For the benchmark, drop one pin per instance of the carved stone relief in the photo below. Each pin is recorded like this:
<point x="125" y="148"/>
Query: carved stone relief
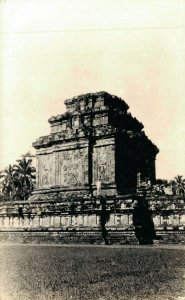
<point x="59" y="128"/>
<point x="75" y="122"/>
<point x="100" y="119"/>
<point x="46" y="172"/>
<point x="103" y="164"/>
<point x="73" y="167"/>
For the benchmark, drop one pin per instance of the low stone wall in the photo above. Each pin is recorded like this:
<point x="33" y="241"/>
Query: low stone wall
<point x="67" y="237"/>
<point x="85" y="237"/>
<point x="61" y="222"/>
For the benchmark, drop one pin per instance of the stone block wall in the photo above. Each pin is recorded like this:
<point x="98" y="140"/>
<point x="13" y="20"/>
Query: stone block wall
<point x="59" y="221"/>
<point x="65" y="166"/>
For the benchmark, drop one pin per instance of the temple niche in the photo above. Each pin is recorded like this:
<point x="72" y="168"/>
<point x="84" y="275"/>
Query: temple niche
<point x="95" y="138"/>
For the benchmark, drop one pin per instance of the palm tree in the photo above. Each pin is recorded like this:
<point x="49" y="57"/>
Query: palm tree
<point x="9" y="183"/>
<point x="179" y="183"/>
<point x="17" y="181"/>
<point x="26" y="175"/>
<point x="179" y="179"/>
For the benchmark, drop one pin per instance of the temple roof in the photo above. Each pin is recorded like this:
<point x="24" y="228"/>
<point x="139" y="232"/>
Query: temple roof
<point x="95" y="114"/>
<point x="113" y="100"/>
<point x="90" y="102"/>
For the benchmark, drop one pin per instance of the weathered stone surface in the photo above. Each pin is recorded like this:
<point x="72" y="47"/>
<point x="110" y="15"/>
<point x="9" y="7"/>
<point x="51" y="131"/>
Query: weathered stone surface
<point x="96" y="137"/>
<point x="53" y="219"/>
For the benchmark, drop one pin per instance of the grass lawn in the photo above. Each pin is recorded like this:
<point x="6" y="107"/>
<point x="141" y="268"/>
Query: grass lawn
<point x="80" y="272"/>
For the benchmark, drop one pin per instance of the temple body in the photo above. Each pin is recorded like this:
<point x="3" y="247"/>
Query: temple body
<point x="95" y="138"/>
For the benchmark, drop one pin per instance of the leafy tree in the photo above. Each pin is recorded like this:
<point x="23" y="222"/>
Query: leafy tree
<point x="104" y="218"/>
<point x="161" y="181"/>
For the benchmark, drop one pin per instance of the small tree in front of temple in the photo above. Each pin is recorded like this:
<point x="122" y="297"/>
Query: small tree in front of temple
<point x="104" y="218"/>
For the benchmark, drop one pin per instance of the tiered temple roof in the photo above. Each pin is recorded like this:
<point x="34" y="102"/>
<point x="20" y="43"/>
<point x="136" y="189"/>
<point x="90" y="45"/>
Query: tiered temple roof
<point x="92" y="114"/>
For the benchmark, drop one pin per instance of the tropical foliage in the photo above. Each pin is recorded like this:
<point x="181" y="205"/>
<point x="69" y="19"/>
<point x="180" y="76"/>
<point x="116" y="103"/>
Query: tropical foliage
<point x="9" y="183"/>
<point x="175" y="187"/>
<point x="17" y="181"/>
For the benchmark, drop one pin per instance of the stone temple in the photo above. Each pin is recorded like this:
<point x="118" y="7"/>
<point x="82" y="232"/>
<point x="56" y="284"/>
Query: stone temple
<point x="95" y="139"/>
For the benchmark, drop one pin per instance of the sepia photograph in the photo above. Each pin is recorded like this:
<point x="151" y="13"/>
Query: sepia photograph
<point x="92" y="152"/>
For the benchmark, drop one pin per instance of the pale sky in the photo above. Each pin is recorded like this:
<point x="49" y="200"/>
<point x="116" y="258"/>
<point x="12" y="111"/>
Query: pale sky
<point x="53" y="50"/>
